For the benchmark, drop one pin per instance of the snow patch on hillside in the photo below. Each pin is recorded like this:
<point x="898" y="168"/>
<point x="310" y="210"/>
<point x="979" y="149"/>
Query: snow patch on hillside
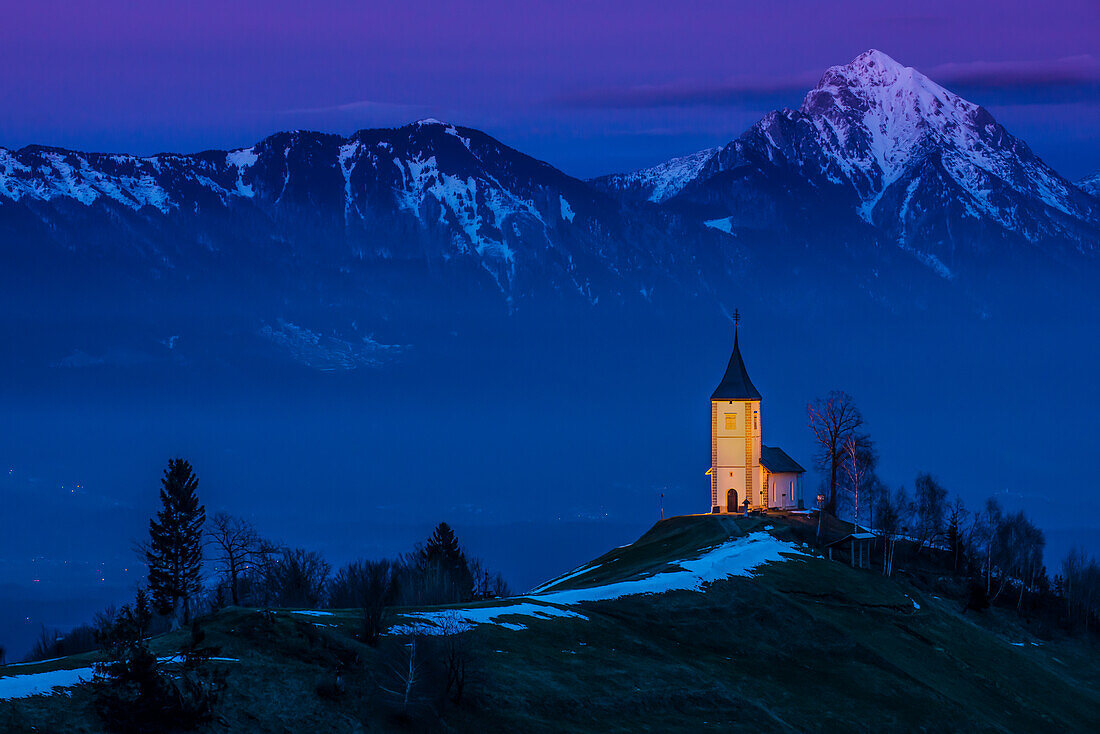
<point x="480" y="207"/>
<point x="737" y="557"/>
<point x="446" y="621"/>
<point x="566" y="210"/>
<point x="242" y="160"/>
<point x="47" y="174"/>
<point x="572" y="574"/>
<point x="32" y="684"/>
<point x="722" y="225"/>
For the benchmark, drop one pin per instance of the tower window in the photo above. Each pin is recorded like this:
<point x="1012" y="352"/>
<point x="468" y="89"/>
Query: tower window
<point x="731" y="421"/>
<point x="756" y="423"/>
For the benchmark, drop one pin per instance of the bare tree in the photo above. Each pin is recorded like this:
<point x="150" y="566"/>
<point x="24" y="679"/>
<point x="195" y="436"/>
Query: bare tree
<point x="406" y="671"/>
<point x="1081" y="578"/>
<point x="258" y="589"/>
<point x="833" y="419"/>
<point x="1032" y="570"/>
<point x="1073" y="566"/>
<point x="487" y="585"/>
<point x="959" y="530"/>
<point x="859" y="466"/>
<point x="236" y="545"/>
<point x="1090" y="591"/>
<point x="499" y="588"/>
<point x="297" y="578"/>
<point x="874" y="490"/>
<point x="457" y="654"/>
<point x="893" y="512"/>
<point x="371" y="586"/>
<point x="986" y="527"/>
<point x="1018" y="554"/>
<point x="930" y="498"/>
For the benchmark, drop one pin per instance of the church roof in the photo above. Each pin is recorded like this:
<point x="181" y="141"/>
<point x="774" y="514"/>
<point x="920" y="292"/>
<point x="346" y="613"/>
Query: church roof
<point x="776" y="461"/>
<point x="735" y="384"/>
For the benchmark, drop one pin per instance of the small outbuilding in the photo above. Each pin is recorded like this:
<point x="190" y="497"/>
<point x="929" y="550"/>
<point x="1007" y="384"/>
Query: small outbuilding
<point x="859" y="548"/>
<point x="782" y="478"/>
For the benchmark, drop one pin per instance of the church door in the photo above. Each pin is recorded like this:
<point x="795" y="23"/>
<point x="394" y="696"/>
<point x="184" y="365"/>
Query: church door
<point x="731" y="501"/>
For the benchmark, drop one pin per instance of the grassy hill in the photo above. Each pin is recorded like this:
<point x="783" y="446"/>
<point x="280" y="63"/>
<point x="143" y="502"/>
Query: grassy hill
<point x="751" y="633"/>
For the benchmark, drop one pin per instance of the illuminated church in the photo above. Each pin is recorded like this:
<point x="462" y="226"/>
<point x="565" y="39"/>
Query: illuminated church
<point x="741" y="466"/>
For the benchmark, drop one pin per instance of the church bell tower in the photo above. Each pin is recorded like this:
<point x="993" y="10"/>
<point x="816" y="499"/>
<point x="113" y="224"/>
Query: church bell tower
<point x="735" y="421"/>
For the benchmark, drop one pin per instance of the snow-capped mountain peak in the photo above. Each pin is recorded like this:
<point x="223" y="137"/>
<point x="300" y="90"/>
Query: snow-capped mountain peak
<point x="885" y="124"/>
<point x="898" y="151"/>
<point x="874" y="113"/>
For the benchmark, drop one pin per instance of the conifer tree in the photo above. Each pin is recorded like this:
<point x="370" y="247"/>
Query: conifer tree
<point x="174" y="553"/>
<point x="441" y="560"/>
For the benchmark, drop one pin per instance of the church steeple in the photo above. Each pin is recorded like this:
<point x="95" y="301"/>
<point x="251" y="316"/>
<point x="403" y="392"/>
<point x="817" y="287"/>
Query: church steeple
<point x="735" y="384"/>
<point x="744" y="473"/>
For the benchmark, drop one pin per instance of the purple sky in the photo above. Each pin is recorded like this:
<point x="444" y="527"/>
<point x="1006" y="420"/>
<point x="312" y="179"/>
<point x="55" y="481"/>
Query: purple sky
<point x="592" y="87"/>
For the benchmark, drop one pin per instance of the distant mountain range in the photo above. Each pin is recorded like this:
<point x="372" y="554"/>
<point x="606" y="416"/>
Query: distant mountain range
<point x="877" y="152"/>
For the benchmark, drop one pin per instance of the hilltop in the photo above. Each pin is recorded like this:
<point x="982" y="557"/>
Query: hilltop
<point x="705" y="622"/>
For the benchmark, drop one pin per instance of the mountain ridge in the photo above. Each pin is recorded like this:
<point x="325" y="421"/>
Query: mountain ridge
<point x="877" y="154"/>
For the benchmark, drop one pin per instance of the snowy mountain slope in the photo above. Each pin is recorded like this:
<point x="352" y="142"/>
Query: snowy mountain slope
<point x="885" y="144"/>
<point x="426" y="190"/>
<point x="1090" y="185"/>
<point x="661" y="182"/>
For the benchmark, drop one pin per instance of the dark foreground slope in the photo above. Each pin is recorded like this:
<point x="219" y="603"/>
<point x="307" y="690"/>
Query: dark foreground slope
<point x="801" y="644"/>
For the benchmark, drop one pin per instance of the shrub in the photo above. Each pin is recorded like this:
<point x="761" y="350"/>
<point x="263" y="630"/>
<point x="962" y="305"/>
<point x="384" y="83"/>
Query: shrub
<point x="134" y="694"/>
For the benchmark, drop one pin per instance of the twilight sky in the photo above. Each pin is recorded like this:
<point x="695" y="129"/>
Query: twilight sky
<point x="591" y="87"/>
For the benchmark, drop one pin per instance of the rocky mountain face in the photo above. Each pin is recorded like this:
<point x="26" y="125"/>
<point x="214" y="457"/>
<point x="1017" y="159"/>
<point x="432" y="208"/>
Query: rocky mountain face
<point x="879" y="143"/>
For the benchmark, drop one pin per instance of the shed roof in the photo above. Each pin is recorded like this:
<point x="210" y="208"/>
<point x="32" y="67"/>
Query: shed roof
<point x="850" y="537"/>
<point x="735" y="384"/>
<point x="776" y="461"/>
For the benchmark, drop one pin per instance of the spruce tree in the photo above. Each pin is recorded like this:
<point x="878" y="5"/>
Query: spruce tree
<point x="174" y="553"/>
<point x="443" y="556"/>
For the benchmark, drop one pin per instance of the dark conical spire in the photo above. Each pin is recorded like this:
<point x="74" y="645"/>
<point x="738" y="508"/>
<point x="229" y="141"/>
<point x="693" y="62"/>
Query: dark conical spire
<point x="735" y="384"/>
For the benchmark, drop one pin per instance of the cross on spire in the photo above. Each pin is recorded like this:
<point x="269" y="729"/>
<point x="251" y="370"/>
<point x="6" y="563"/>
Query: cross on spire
<point x="736" y="318"/>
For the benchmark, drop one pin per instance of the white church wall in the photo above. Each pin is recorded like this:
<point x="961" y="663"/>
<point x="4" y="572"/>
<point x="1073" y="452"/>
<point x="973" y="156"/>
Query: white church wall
<point x="728" y="437"/>
<point x="784" y="489"/>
